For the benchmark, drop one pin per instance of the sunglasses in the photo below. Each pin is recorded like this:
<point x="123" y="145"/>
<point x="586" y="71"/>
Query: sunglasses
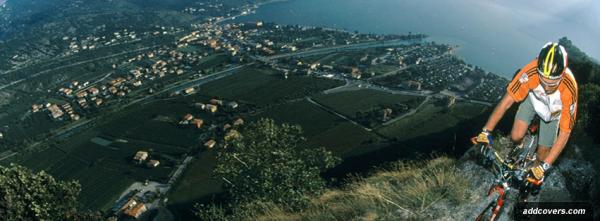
<point x="546" y="84"/>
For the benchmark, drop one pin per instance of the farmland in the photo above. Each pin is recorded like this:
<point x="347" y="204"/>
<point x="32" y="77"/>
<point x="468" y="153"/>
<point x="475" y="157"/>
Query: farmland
<point x="152" y="127"/>
<point x="102" y="171"/>
<point x="312" y="119"/>
<point x="359" y="104"/>
<point x="108" y="147"/>
<point x="347" y="139"/>
<point x="431" y="119"/>
<point x="157" y="122"/>
<point x="263" y="86"/>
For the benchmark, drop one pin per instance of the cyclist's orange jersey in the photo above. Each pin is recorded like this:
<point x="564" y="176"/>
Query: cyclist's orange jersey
<point x="560" y="105"/>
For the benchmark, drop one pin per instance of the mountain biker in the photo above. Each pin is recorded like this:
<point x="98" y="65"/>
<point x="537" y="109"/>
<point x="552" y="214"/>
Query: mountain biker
<point x="545" y="87"/>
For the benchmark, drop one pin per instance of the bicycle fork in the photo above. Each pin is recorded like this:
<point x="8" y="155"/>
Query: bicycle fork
<point x="495" y="205"/>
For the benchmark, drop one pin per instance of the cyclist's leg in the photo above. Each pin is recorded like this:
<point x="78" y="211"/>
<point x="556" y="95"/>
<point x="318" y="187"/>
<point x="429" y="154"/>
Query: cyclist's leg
<point x="548" y="133"/>
<point x="525" y="114"/>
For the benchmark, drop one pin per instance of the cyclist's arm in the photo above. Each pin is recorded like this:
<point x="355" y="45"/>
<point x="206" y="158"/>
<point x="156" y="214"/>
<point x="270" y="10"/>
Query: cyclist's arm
<point x="566" y="124"/>
<point x="516" y="91"/>
<point x="506" y="102"/>
<point x="558" y="146"/>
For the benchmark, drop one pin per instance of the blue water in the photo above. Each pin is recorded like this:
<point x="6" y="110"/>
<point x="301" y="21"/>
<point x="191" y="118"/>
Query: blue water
<point x="500" y="36"/>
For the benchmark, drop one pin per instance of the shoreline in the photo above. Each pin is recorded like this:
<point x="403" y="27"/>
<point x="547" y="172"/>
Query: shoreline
<point x="471" y="51"/>
<point x="456" y="47"/>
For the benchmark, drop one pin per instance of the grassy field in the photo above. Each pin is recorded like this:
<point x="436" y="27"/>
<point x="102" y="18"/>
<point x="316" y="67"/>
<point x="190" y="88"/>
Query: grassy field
<point x="265" y="86"/>
<point x="349" y="103"/>
<point x="322" y="128"/>
<point x="346" y="139"/>
<point x="431" y="119"/>
<point x="312" y="119"/>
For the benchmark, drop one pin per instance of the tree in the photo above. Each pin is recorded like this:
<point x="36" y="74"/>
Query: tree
<point x="271" y="163"/>
<point x="25" y="195"/>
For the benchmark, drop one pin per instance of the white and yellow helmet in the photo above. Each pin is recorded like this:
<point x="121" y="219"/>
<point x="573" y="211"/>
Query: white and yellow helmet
<point x="552" y="61"/>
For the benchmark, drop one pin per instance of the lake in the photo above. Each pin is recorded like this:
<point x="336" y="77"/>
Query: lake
<point x="500" y="36"/>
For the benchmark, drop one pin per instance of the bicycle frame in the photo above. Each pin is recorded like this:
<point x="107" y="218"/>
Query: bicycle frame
<point x="511" y="173"/>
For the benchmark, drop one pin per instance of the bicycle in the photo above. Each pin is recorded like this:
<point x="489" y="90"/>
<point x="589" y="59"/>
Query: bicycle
<point x="511" y="173"/>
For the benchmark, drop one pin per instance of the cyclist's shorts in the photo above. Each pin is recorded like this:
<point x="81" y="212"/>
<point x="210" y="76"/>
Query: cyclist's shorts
<point x="547" y="131"/>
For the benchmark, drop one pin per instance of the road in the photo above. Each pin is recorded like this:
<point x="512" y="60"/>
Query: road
<point x="345" y="87"/>
<point x="7" y="154"/>
<point x="93" y="84"/>
<point x="179" y="171"/>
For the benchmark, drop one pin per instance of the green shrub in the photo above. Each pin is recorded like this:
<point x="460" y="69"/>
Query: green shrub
<point x="270" y="163"/>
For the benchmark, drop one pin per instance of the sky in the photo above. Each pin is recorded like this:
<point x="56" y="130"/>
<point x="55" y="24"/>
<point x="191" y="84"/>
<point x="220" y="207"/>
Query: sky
<point x="577" y="19"/>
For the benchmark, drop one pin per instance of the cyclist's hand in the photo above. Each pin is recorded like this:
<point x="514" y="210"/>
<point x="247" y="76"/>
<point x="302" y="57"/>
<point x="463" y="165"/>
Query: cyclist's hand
<point x="485" y="137"/>
<point x="538" y="171"/>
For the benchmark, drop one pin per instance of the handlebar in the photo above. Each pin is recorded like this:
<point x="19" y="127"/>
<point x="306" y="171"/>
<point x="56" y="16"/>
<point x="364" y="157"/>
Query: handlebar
<point x="500" y="164"/>
<point x="534" y="181"/>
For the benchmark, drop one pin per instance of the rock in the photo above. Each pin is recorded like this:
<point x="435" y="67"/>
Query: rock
<point x="579" y="176"/>
<point x="569" y="180"/>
